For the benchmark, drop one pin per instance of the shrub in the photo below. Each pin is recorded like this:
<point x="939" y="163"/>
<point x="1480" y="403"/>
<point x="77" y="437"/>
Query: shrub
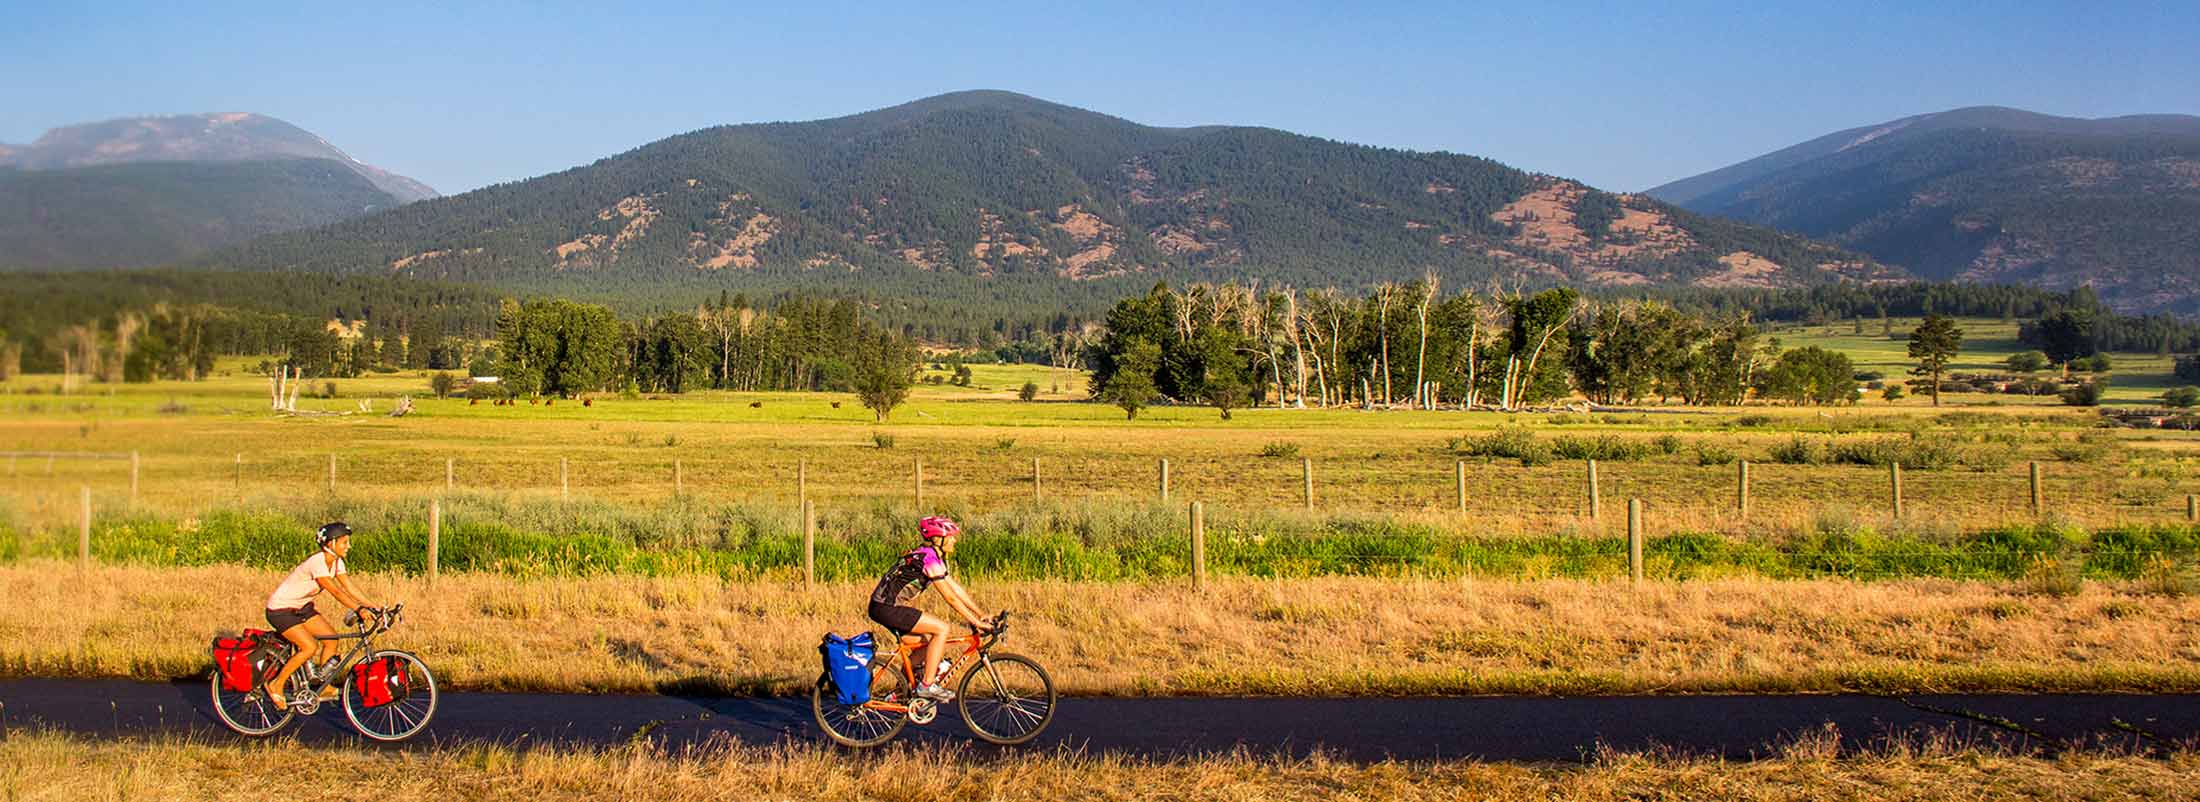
<point x="1029" y="391"/>
<point x="2182" y="397"/>
<point x="672" y="441"/>
<point x="2087" y="394"/>
<point x="1796" y="451"/>
<point x="1606" y="447"/>
<point x="328" y="390"/>
<point x="1004" y="444"/>
<point x="1511" y="442"/>
<point x="1280" y="450"/>
<point x="1753" y="421"/>
<point x="2163" y="576"/>
<point x="2049" y="576"/>
<point x="1892" y="393"/>
<point x="1668" y="444"/>
<point x="442" y="383"/>
<point x="2027" y="362"/>
<point x="882" y="440"/>
<point x="2099" y="363"/>
<point x="2078" y="452"/>
<point x="1711" y="454"/>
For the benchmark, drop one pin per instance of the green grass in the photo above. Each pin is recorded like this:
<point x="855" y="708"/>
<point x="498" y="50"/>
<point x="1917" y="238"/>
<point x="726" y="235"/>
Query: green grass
<point x="2136" y="378"/>
<point x="1075" y="542"/>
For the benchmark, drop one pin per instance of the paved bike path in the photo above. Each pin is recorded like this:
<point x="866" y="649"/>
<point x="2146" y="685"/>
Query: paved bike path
<point x="1491" y="728"/>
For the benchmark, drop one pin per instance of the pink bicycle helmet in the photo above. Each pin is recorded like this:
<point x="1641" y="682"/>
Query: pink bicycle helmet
<point x="937" y="526"/>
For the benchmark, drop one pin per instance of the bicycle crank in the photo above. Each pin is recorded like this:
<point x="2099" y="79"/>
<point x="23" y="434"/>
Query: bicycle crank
<point x="923" y="711"/>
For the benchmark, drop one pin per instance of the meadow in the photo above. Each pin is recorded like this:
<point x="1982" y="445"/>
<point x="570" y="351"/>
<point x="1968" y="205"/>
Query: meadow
<point x="39" y="766"/>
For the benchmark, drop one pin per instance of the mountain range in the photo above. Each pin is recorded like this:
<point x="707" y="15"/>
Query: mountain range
<point x="992" y="186"/>
<point x="1990" y="194"/>
<point x="152" y="190"/>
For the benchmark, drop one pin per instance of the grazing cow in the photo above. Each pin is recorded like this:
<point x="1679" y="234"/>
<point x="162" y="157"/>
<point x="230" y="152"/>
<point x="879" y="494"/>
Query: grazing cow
<point x="588" y="402"/>
<point x="549" y="402"/>
<point x="473" y="402"/>
<point x="756" y="405"/>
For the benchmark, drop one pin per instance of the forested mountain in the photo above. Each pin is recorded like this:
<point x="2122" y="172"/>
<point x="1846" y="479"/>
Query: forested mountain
<point x="155" y="190"/>
<point x="991" y="192"/>
<point x="1991" y="195"/>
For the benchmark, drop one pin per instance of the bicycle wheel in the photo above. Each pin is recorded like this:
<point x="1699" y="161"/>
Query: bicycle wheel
<point x="857" y="725"/>
<point x="399" y="719"/>
<point x="1007" y="699"/>
<point x="250" y="713"/>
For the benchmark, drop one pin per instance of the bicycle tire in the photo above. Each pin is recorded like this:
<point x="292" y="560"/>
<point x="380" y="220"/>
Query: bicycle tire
<point x="1012" y="715"/>
<point x="400" y="719"/>
<point x="882" y="726"/>
<point x="246" y="713"/>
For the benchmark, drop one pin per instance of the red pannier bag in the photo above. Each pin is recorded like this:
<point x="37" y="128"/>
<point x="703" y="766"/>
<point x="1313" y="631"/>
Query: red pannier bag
<point x="233" y="659"/>
<point x="381" y="681"/>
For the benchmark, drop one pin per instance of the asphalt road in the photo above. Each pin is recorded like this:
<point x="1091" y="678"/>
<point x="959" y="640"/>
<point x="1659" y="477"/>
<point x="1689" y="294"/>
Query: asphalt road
<point x="1490" y="728"/>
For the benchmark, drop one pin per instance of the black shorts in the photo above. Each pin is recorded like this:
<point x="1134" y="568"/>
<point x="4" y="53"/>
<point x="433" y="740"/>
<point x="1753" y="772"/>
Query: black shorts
<point x="895" y="617"/>
<point x="283" y="620"/>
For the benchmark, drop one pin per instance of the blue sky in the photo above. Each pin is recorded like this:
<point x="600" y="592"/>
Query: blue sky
<point x="1622" y="98"/>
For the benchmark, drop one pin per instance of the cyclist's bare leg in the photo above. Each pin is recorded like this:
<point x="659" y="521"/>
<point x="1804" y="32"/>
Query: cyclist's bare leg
<point x="935" y="632"/>
<point x="306" y="638"/>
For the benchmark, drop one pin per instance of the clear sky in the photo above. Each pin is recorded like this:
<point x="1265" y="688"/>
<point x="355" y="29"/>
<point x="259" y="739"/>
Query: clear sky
<point x="1624" y="98"/>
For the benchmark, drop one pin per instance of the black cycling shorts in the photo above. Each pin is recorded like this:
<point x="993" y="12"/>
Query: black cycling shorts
<point x="902" y="620"/>
<point x="283" y="620"/>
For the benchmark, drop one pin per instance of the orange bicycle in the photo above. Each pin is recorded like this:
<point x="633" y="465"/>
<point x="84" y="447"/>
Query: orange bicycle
<point x="1005" y="698"/>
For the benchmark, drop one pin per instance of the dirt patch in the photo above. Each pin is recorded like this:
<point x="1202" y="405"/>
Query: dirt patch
<point x="1546" y="221"/>
<point x="1079" y="265"/>
<point x="740" y="249"/>
<point x="1437" y="187"/>
<point x="827" y="260"/>
<point x="1082" y="225"/>
<point x="923" y="258"/>
<point x="578" y="249"/>
<point x="417" y="258"/>
<point x="1178" y="242"/>
<point x="1744" y="269"/>
<point x="1415" y="225"/>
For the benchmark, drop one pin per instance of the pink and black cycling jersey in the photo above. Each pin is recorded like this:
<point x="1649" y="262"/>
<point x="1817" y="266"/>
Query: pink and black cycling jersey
<point x="916" y="570"/>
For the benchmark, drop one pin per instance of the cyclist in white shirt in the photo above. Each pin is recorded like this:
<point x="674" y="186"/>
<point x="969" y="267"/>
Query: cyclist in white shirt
<point x="290" y="608"/>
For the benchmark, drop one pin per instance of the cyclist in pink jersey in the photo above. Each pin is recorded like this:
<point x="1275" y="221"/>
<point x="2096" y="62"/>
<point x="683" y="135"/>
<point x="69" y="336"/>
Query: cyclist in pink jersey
<point x="917" y="569"/>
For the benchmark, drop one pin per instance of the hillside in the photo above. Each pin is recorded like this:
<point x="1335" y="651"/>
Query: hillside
<point x="123" y="215"/>
<point x="1991" y="195"/>
<point x="992" y="187"/>
<point x="226" y="137"/>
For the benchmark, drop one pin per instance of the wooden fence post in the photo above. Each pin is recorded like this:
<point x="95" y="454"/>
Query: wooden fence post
<point x="1164" y="480"/>
<point x="84" y="529"/>
<point x="1306" y="473"/>
<point x="2192" y="508"/>
<point x="1634" y="539"/>
<point x="1035" y="494"/>
<point x="1596" y="496"/>
<point x="917" y="481"/>
<point x="1199" y="546"/>
<point x="450" y="474"/>
<point x="133" y="477"/>
<point x="1894" y="479"/>
<point x="1459" y="479"/>
<point x="1741" y="490"/>
<point x="2037" y="496"/>
<point x="809" y="544"/>
<point x="435" y="539"/>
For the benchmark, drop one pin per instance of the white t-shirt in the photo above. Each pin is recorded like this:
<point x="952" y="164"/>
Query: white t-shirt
<point x="299" y="588"/>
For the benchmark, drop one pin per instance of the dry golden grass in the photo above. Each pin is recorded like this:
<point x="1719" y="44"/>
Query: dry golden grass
<point x="1310" y="636"/>
<point x="39" y="766"/>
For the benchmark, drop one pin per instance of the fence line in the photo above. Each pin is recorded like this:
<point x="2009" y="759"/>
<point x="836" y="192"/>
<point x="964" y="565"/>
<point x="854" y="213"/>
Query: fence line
<point x="1898" y="497"/>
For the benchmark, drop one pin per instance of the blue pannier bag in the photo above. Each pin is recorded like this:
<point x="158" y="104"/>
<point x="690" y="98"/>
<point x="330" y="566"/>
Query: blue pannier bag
<point x="848" y="664"/>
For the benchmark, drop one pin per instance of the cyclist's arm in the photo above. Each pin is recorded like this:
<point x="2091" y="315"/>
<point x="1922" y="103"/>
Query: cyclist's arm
<point x="340" y="587"/>
<point x="959" y="599"/>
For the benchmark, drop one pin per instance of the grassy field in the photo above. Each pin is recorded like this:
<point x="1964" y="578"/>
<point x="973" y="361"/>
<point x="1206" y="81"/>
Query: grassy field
<point x="212" y="444"/>
<point x="1328" y="636"/>
<point x="2135" y="378"/>
<point x="37" y="766"/>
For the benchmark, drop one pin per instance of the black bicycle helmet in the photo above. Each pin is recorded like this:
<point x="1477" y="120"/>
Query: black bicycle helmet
<point x="331" y="531"/>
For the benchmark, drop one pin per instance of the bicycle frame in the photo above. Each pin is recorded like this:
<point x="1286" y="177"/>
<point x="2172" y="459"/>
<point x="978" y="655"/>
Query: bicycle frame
<point x="975" y="645"/>
<point x="364" y="634"/>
